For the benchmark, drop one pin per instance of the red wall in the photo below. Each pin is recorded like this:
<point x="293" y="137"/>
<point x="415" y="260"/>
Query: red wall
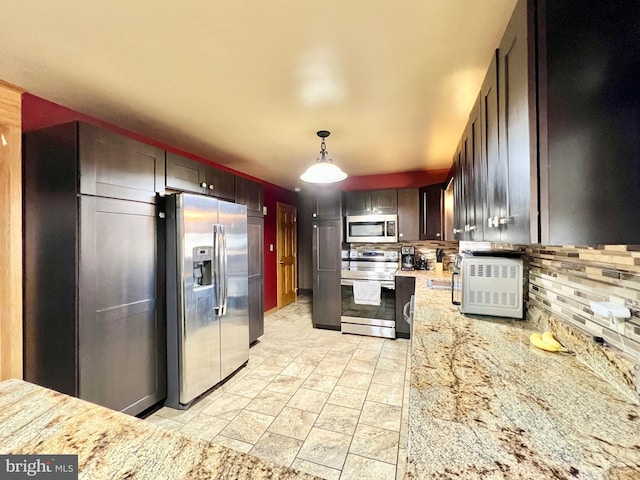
<point x="40" y="113"/>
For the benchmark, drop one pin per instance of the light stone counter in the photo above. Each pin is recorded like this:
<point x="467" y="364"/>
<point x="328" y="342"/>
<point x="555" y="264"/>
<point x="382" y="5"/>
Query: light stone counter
<point x="485" y="403"/>
<point x="111" y="445"/>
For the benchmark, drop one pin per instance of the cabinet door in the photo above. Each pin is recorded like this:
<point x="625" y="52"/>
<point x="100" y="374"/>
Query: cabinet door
<point x="515" y="108"/>
<point x="185" y="174"/>
<point x="359" y="203"/>
<point x="221" y="184"/>
<point x="122" y="338"/>
<point x="493" y="164"/>
<point x="251" y="194"/>
<point x="328" y="205"/>
<point x="255" y="246"/>
<point x="431" y="212"/>
<point x="118" y="167"/>
<point x="327" y="239"/>
<point x="459" y="213"/>
<point x="408" y="214"/>
<point x="384" y="202"/>
<point x="477" y="188"/>
<point x="405" y="287"/>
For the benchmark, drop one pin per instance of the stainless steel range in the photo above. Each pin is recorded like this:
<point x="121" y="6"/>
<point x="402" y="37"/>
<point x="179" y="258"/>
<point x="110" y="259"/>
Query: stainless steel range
<point x="368" y="293"/>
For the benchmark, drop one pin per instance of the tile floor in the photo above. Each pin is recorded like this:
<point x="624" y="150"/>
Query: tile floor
<point x="328" y="404"/>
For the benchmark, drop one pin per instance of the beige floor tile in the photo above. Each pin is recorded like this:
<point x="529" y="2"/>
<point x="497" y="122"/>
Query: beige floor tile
<point x="338" y="419"/>
<point x="310" y="400"/>
<point x="248" y="426"/>
<point x="294" y="423"/>
<point x="344" y="347"/>
<point x="183" y="416"/>
<point x="339" y="357"/>
<point x="204" y="427"/>
<point x="246" y="387"/>
<point x="372" y="343"/>
<point x="277" y="448"/>
<point x="392" y="364"/>
<point x="226" y="406"/>
<point x="387" y="377"/>
<point x="361" y="366"/>
<point x="385" y="394"/>
<point x="326" y="367"/>
<point x="317" y="381"/>
<point x="377" y="443"/>
<point x="164" y="422"/>
<point x="285" y="384"/>
<point x="325" y="448"/>
<point x="355" y="380"/>
<point x="366" y="355"/>
<point x="268" y="402"/>
<point x="300" y="370"/>
<point x="310" y="358"/>
<point x="348" y="397"/>
<point x="232" y="443"/>
<point x="361" y="468"/>
<point x="381" y="415"/>
<point x="280" y="360"/>
<point x="315" y="469"/>
<point x="264" y="372"/>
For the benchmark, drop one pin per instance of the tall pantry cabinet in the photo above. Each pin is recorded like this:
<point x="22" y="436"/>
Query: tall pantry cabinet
<point x="93" y="302"/>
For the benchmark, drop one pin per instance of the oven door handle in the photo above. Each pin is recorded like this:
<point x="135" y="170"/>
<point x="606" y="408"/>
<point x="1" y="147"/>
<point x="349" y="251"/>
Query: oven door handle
<point x="453" y="287"/>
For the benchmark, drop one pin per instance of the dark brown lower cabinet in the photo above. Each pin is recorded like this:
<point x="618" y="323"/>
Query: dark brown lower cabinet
<point x="326" y="246"/>
<point x="405" y="287"/>
<point x="112" y="351"/>
<point x="255" y="230"/>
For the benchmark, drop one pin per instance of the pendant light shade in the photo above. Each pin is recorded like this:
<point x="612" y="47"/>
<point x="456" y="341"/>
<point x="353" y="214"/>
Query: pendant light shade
<point x="324" y="170"/>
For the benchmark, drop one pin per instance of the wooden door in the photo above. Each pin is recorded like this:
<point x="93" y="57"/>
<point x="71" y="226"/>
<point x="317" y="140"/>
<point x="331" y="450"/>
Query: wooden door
<point x="287" y="252"/>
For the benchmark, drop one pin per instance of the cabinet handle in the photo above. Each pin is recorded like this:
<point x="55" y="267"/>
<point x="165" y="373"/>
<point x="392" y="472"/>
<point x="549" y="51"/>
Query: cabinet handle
<point x="505" y="221"/>
<point x="315" y="215"/>
<point x="457" y="231"/>
<point x="471" y="228"/>
<point x="437" y="234"/>
<point x="203" y="184"/>
<point x="211" y="187"/>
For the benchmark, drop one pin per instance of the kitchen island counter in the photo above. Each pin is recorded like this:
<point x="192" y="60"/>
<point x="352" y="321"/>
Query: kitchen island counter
<point x="112" y="445"/>
<point x="485" y="403"/>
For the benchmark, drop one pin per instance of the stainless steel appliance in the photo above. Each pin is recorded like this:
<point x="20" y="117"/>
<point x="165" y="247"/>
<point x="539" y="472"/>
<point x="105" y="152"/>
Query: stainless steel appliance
<point x="421" y="262"/>
<point x="371" y="269"/>
<point x="407" y="258"/>
<point x="372" y="228"/>
<point x="207" y="294"/>
<point x="488" y="283"/>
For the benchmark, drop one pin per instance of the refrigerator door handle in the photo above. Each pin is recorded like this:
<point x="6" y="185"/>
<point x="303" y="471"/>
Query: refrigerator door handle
<point x="224" y="273"/>
<point x="220" y="253"/>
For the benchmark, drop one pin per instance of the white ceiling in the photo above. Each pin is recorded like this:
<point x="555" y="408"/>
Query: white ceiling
<point x="392" y="80"/>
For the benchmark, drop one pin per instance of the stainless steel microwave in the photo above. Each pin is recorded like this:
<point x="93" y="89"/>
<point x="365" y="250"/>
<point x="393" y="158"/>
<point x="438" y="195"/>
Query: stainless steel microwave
<point x="372" y="228"/>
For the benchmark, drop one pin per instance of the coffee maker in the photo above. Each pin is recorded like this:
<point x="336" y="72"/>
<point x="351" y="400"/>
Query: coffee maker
<point x="407" y="258"/>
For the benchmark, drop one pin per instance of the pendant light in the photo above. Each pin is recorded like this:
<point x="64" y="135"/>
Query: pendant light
<point x="324" y="170"/>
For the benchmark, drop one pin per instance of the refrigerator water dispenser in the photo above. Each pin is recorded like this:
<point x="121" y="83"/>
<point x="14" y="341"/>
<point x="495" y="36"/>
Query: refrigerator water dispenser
<point x="202" y="257"/>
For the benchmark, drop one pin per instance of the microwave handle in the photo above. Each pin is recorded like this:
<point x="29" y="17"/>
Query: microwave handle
<point x="453" y="287"/>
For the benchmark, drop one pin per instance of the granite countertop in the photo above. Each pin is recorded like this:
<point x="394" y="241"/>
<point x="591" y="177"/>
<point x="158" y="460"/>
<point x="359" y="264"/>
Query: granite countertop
<point x="109" y="444"/>
<point x="485" y="403"/>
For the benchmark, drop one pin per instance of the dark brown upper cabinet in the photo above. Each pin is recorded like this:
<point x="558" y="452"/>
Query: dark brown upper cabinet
<point x="115" y="166"/>
<point x="408" y="214"/>
<point x="372" y="202"/>
<point x="251" y="194"/>
<point x="187" y="175"/>
<point x="326" y="204"/>
<point x="431" y="212"/>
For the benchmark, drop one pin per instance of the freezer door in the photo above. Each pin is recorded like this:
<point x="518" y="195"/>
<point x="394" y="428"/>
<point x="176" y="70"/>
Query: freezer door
<point x="233" y="306"/>
<point x="199" y="338"/>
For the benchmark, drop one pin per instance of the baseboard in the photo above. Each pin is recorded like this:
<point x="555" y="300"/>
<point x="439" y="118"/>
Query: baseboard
<point x="269" y="312"/>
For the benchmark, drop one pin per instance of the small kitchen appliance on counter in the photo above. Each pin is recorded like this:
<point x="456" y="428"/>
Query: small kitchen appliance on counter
<point x="407" y="258"/>
<point x="421" y="262"/>
<point x="488" y="283"/>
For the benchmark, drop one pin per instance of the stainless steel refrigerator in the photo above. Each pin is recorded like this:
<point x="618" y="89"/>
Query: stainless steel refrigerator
<point x="207" y="294"/>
